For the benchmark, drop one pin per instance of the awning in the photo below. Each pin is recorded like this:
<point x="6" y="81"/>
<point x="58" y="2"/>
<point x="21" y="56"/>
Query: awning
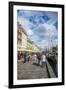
<point x="28" y="50"/>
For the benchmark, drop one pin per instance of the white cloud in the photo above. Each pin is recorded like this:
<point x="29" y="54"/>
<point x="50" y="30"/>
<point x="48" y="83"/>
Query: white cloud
<point x="46" y="29"/>
<point x="25" y="24"/>
<point x="29" y="32"/>
<point x="41" y="30"/>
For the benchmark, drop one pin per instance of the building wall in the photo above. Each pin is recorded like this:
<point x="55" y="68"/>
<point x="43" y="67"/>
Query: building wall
<point x="35" y="48"/>
<point x="23" y="43"/>
<point x="24" y="40"/>
<point x="21" y="39"/>
<point x="29" y="46"/>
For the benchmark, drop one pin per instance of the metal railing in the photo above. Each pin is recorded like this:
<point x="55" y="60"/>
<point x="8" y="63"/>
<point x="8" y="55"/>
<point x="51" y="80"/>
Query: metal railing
<point x="50" y="70"/>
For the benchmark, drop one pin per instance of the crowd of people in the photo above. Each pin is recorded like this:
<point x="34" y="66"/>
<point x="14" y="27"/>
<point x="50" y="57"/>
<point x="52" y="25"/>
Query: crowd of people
<point x="40" y="57"/>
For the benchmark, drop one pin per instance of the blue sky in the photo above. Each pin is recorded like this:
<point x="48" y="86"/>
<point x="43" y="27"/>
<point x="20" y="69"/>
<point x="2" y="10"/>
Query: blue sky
<point x="38" y="25"/>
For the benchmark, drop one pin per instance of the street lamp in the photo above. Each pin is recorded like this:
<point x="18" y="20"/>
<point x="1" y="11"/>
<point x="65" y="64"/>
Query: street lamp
<point x="49" y="40"/>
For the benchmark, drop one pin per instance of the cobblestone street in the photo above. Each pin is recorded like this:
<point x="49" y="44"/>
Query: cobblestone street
<point x="31" y="70"/>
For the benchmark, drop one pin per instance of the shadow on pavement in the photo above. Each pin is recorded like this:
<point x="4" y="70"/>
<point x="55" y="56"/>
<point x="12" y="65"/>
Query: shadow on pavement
<point x="36" y="64"/>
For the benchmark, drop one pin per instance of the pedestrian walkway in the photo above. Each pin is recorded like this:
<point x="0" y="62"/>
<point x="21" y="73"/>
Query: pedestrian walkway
<point x="31" y="70"/>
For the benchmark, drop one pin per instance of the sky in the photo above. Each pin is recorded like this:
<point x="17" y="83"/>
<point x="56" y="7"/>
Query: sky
<point x="41" y="26"/>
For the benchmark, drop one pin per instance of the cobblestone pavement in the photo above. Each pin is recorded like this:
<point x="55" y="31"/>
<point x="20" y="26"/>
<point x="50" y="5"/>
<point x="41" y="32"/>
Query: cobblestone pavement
<point x="30" y="70"/>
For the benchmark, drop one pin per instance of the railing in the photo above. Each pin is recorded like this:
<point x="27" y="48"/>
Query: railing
<point x="50" y="70"/>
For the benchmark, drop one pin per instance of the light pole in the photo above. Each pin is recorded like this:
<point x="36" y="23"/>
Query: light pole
<point x="49" y="39"/>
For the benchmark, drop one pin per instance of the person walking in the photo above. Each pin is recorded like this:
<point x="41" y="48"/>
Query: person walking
<point x="24" y="57"/>
<point x="43" y="60"/>
<point x="28" y="57"/>
<point x="39" y="58"/>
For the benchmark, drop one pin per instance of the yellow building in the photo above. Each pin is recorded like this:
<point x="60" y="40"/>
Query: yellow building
<point x="35" y="48"/>
<point x="29" y="44"/>
<point x="32" y="47"/>
<point x="23" y="43"/>
<point x="21" y="38"/>
<point x="24" y="39"/>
